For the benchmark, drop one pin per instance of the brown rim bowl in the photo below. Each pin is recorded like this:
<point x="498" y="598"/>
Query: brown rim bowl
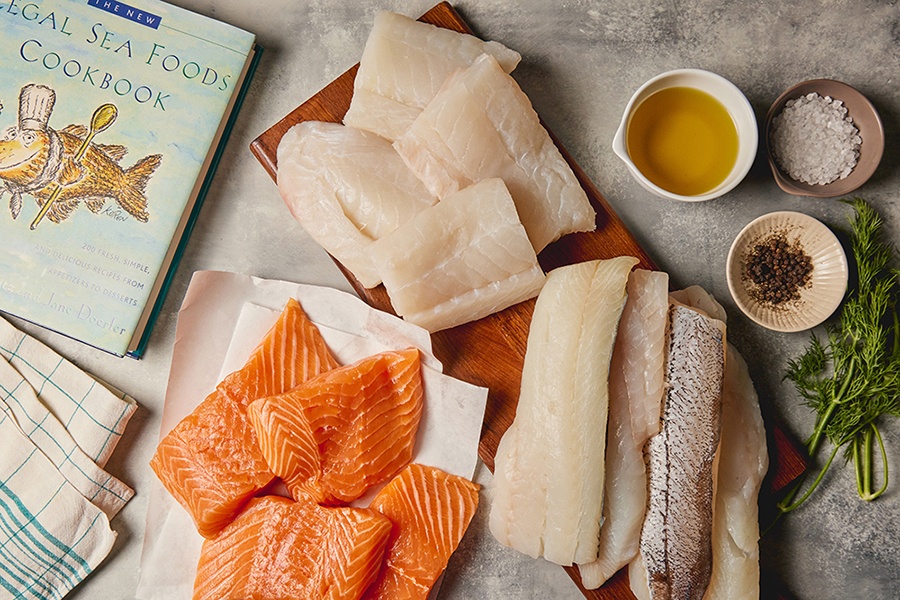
<point x="866" y="120"/>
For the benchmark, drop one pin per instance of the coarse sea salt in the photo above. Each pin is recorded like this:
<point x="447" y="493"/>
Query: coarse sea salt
<point x="814" y="141"/>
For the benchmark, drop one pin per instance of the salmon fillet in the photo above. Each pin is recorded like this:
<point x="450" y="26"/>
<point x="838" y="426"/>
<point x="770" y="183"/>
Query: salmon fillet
<point x="210" y="462"/>
<point x="348" y="429"/>
<point x="278" y="549"/>
<point x="430" y="511"/>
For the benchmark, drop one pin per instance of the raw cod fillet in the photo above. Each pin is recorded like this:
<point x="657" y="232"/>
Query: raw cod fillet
<point x="741" y="465"/>
<point x="676" y="548"/>
<point x="340" y="433"/>
<point x="210" y="461"/>
<point x="277" y="549"/>
<point x="347" y="188"/>
<point x="460" y="260"/>
<point x="404" y="64"/>
<point x="481" y="125"/>
<point x="636" y="389"/>
<point x="548" y="471"/>
<point x="430" y="511"/>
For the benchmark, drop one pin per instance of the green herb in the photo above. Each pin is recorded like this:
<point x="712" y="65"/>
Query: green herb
<point x="852" y="377"/>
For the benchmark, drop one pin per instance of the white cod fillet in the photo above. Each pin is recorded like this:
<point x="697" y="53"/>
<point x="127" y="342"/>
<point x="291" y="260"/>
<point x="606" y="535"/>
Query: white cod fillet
<point x="741" y="465"/>
<point x="347" y="188"/>
<point x="460" y="260"/>
<point x="404" y="64"/>
<point x="548" y="471"/>
<point x="636" y="388"/>
<point x="676" y="546"/>
<point x="480" y="124"/>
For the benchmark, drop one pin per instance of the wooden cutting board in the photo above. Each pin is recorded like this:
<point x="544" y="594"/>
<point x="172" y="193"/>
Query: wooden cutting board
<point x="490" y="352"/>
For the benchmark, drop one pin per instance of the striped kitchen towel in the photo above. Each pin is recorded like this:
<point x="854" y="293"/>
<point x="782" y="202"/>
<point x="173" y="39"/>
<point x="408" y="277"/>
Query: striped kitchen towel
<point x="58" y="427"/>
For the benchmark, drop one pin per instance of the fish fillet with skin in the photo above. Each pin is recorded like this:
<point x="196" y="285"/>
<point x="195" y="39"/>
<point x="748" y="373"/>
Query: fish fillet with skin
<point x="278" y="549"/>
<point x="549" y="476"/>
<point x="740" y="466"/>
<point x="480" y="125"/>
<point x="636" y="389"/>
<point x="347" y="188"/>
<point x="460" y="260"/>
<point x="210" y="461"/>
<point x="404" y="64"/>
<point x="430" y="511"/>
<point x="338" y="434"/>
<point x="676" y="539"/>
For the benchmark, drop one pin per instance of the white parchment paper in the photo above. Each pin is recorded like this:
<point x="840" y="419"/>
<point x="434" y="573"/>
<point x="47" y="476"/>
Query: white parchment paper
<point x="222" y="319"/>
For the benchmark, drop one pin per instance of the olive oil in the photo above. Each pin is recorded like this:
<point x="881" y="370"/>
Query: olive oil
<point x="683" y="140"/>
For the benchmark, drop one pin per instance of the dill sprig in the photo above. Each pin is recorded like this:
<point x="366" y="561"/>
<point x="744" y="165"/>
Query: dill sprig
<point x="852" y="378"/>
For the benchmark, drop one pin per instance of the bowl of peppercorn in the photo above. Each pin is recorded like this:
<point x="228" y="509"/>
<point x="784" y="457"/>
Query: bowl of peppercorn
<point x="787" y="271"/>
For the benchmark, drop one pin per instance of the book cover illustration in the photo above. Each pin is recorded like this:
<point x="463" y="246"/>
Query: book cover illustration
<point x="109" y="112"/>
<point x="61" y="169"/>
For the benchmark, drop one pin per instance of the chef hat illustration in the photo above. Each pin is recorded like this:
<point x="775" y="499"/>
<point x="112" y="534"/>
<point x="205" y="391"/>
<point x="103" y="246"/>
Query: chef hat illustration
<point x="35" y="105"/>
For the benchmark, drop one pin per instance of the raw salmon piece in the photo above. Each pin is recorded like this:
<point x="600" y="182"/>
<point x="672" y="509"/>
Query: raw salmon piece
<point x="210" y="462"/>
<point x="337" y="435"/>
<point x="277" y="549"/>
<point x="430" y="510"/>
<point x="291" y="353"/>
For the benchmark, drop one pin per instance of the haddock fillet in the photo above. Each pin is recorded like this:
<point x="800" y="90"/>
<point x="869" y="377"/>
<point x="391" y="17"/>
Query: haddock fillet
<point x="402" y="67"/>
<point x="347" y="188"/>
<point x="430" y="511"/>
<point x="549" y="476"/>
<point x="338" y="434"/>
<point x="676" y="539"/>
<point x="210" y="461"/>
<point x="636" y="389"/>
<point x="278" y="549"/>
<point x="460" y="260"/>
<point x="481" y="125"/>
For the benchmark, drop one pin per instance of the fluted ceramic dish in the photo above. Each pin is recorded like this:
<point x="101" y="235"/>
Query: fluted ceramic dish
<point x="818" y="299"/>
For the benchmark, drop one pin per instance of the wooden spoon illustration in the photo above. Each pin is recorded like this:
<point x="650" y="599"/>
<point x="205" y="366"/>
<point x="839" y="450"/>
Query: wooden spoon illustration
<point x="102" y="118"/>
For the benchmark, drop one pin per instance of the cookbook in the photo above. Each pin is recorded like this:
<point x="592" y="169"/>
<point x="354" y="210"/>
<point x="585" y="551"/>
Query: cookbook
<point x="113" y="117"/>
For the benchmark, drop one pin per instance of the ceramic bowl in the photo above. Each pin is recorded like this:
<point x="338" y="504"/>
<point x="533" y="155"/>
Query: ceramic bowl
<point x="818" y="299"/>
<point x="725" y="92"/>
<point x="864" y="116"/>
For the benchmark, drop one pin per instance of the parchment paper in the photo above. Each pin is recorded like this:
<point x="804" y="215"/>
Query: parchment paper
<point x="222" y="319"/>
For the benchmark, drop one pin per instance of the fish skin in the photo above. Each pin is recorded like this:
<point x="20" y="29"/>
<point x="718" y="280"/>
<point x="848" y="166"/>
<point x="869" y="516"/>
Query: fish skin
<point x="548" y="489"/>
<point x="636" y="389"/>
<point x="335" y="436"/>
<point x="481" y="125"/>
<point x="97" y="178"/>
<point x="460" y="260"/>
<point x="676" y="547"/>
<point x="430" y="511"/>
<point x="278" y="549"/>
<point x="402" y="67"/>
<point x="347" y="188"/>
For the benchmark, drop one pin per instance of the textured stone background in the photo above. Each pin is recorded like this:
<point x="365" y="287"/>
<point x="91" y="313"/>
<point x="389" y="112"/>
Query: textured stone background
<point x="581" y="62"/>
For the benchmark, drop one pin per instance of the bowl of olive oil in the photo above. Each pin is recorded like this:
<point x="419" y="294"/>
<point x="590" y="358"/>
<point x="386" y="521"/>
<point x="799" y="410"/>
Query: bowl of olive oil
<point x="688" y="135"/>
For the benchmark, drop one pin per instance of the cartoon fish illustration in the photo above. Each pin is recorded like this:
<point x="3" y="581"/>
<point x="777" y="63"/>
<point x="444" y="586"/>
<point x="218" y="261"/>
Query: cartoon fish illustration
<point x="34" y="156"/>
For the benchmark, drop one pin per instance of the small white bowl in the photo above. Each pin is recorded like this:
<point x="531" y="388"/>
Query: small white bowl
<point x="818" y="300"/>
<point x="722" y="90"/>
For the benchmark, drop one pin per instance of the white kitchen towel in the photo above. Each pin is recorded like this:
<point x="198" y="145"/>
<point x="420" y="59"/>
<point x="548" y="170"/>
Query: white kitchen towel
<point x="94" y="414"/>
<point x="18" y="400"/>
<point x="51" y="536"/>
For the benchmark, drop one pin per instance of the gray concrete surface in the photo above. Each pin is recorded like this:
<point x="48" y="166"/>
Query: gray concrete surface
<point x="581" y="62"/>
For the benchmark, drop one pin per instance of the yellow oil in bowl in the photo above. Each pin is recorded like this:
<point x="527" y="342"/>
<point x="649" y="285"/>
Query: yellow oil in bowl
<point x="683" y="140"/>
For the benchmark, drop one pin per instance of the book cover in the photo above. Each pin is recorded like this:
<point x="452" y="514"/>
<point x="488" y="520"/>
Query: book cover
<point x="111" y="115"/>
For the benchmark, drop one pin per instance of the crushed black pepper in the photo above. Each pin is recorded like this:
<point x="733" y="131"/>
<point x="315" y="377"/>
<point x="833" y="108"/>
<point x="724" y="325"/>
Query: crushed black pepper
<point x="778" y="269"/>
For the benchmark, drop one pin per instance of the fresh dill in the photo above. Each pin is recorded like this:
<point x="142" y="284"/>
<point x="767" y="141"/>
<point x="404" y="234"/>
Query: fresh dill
<point x="851" y="378"/>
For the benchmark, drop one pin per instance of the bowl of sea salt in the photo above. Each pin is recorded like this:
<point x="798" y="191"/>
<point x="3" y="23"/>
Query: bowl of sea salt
<point x="824" y="139"/>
